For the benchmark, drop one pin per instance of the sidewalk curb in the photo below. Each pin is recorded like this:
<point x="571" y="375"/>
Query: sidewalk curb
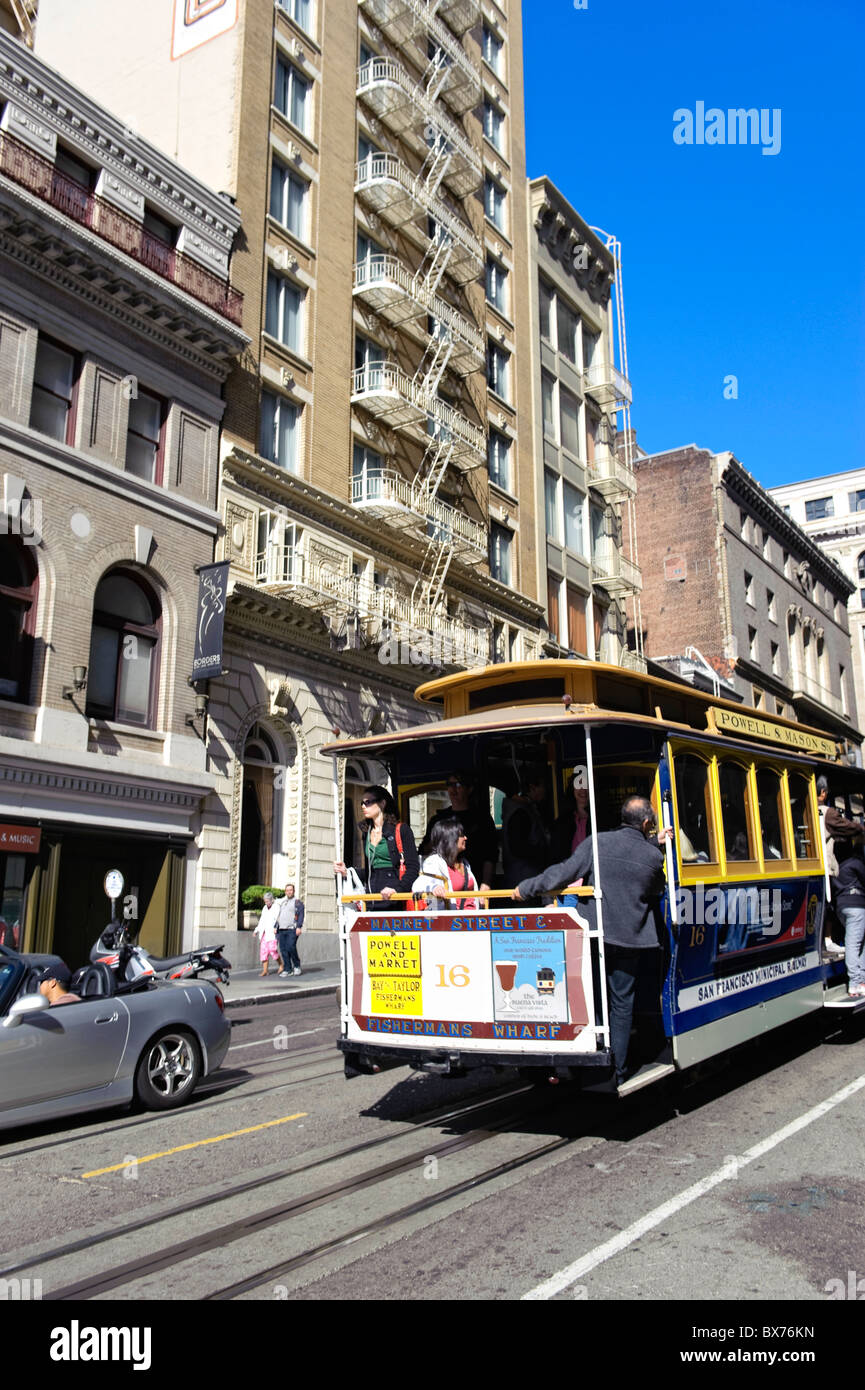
<point x="278" y="995"/>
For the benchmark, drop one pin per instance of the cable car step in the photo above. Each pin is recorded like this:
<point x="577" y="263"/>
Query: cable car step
<point x="645" y="1077"/>
<point x="837" y="998"/>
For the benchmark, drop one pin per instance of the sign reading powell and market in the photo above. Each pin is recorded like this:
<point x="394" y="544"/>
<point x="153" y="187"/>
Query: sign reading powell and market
<point x="212" y="582"/>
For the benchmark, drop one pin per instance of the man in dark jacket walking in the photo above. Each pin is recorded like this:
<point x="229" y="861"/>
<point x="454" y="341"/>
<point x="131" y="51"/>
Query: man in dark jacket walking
<point x="631" y="868"/>
<point x="289" y="925"/>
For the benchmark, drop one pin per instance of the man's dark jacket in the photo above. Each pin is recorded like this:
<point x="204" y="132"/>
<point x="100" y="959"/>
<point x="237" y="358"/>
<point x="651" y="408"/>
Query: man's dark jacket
<point x="632" y="880"/>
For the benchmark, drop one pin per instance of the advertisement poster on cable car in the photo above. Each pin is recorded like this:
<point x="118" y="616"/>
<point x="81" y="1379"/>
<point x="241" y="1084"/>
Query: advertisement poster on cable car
<point x="529" y="980"/>
<point x="521" y="978"/>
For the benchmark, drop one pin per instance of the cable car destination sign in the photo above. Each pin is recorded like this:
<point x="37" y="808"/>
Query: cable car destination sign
<point x="730" y="721"/>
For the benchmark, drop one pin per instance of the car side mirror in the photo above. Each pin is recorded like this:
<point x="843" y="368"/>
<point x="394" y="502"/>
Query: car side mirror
<point x="29" y="1004"/>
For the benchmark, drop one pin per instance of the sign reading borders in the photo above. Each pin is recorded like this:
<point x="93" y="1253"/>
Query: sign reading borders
<point x="212" y="584"/>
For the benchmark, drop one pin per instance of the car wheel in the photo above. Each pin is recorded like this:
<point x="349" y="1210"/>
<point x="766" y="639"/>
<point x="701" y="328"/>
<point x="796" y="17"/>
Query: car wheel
<point x="168" y="1070"/>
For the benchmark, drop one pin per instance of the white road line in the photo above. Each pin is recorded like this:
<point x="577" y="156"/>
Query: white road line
<point x="565" y="1277"/>
<point x="283" y="1037"/>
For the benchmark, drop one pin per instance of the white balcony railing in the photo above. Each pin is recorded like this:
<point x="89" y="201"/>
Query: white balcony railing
<point x="393" y="497"/>
<point x="386" y="283"/>
<point x="432" y="635"/>
<point x="406" y="21"/>
<point x="611" y="477"/>
<point x="614" y="571"/>
<point x="407" y="108"/>
<point x="607" y="384"/>
<point x="461" y="15"/>
<point x="388" y="392"/>
<point x="398" y="196"/>
<point x="811" y="688"/>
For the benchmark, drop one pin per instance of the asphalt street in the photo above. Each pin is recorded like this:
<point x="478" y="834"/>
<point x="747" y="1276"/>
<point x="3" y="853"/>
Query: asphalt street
<point x="284" y="1181"/>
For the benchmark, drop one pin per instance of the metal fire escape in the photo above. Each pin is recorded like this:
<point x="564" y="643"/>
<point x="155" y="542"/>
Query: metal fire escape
<point x="624" y="404"/>
<point x="412" y="111"/>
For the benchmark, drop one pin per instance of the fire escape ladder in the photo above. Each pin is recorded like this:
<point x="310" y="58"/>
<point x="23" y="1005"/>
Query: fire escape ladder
<point x="433" y="168"/>
<point x="434" y="361"/>
<point x="434" y="263"/>
<point x="435" y="75"/>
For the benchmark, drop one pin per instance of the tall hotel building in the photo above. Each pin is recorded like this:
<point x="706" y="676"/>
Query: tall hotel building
<point x="379" y="486"/>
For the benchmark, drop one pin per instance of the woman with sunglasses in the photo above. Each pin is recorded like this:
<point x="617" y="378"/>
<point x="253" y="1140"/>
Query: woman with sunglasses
<point x="392" y="861"/>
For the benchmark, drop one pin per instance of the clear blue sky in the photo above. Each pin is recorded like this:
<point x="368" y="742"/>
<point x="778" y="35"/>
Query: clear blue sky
<point x="734" y="262"/>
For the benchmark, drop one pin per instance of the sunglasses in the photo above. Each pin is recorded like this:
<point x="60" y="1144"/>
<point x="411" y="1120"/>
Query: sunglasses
<point x="369" y="801"/>
<point x="451" y="784"/>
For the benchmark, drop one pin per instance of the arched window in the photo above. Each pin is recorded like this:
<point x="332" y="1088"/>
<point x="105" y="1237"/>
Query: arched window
<point x="259" y="815"/>
<point x="124" y="650"/>
<point x="19" y="583"/>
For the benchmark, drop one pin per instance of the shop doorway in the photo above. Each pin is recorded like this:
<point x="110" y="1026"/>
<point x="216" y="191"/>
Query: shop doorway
<point x="82" y="909"/>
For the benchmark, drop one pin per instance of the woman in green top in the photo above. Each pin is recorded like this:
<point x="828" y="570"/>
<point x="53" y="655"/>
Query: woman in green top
<point x="392" y="861"/>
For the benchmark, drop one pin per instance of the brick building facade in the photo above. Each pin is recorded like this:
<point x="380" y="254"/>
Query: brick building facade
<point x="114" y="347"/>
<point x="378" y="489"/>
<point x="732" y="586"/>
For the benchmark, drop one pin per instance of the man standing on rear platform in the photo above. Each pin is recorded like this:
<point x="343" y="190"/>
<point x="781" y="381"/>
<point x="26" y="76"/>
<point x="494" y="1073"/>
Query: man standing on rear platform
<point x="631" y="867"/>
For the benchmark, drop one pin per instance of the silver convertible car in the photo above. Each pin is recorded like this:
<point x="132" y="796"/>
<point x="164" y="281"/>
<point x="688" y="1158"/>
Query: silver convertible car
<point x="150" y="1043"/>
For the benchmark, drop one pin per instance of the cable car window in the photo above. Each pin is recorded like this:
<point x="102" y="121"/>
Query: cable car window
<point x="804" y="835"/>
<point x="697" y="843"/>
<point x="739" y="839"/>
<point x="770" y="794"/>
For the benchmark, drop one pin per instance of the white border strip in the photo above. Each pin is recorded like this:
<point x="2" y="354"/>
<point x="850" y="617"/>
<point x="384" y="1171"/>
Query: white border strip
<point x="558" y="1282"/>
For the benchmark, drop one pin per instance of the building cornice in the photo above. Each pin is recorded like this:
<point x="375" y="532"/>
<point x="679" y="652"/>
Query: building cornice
<point x="738" y="481"/>
<point x="82" y="124"/>
<point x="61" y="252"/>
<point x="249" y="472"/>
<point x="254" y="614"/>
<point x="563" y="232"/>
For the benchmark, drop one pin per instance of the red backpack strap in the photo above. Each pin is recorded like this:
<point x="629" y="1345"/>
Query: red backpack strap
<point x="398" y="838"/>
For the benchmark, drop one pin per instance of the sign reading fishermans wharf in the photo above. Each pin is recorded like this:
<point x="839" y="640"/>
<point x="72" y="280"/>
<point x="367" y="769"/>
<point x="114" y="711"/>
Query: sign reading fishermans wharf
<point x="728" y="721"/>
<point x="212" y="583"/>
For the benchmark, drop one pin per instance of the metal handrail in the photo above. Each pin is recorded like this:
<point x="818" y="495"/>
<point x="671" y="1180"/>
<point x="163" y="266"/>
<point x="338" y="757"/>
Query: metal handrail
<point x="388" y="377"/>
<point x="389" y="486"/>
<point x="580" y="892"/>
<point x="387" y="70"/>
<point x="379" y="166"/>
<point x="377" y="269"/>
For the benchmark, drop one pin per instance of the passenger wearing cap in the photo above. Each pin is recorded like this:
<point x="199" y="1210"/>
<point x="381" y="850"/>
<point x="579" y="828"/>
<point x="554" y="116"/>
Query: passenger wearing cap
<point x="54" y="985"/>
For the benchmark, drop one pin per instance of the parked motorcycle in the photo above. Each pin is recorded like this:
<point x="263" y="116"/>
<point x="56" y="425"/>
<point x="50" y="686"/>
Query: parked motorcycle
<point x="131" y="963"/>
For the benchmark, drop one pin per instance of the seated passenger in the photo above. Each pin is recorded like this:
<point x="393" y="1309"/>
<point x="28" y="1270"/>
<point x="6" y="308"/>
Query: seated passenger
<point x="391" y="858"/>
<point x="525" y="835"/>
<point x="687" y="851"/>
<point x="573" y="825"/>
<point x="446" y="870"/>
<point x="54" y="985"/>
<point x="475" y="819"/>
<point x="739" y="849"/>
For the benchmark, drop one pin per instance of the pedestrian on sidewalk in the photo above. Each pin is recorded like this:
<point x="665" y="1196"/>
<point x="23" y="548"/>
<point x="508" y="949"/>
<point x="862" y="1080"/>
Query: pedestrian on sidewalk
<point x="289" y="925"/>
<point x="266" y="933"/>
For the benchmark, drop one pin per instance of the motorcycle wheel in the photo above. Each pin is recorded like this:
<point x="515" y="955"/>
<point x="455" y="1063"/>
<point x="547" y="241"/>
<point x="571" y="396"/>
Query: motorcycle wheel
<point x="168" y="1070"/>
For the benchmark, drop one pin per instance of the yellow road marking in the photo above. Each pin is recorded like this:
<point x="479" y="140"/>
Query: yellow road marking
<point x="217" y="1139"/>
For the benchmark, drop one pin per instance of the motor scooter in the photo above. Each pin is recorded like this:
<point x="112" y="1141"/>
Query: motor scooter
<point x="132" y="964"/>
